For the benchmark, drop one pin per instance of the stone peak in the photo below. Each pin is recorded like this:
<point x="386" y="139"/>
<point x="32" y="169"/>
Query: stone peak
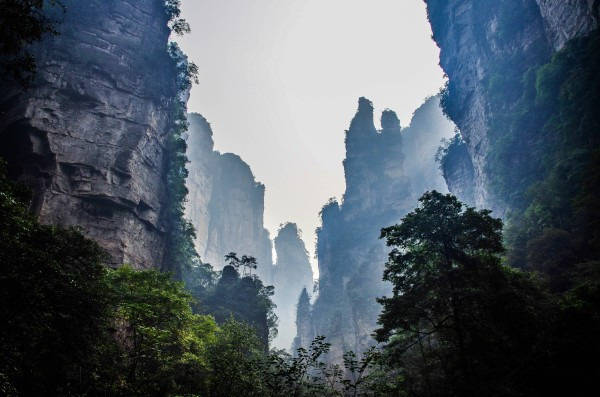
<point x="364" y="105"/>
<point x="389" y="120"/>
<point x="362" y="123"/>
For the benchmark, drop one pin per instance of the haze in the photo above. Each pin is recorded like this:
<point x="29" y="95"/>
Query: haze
<point x="280" y="80"/>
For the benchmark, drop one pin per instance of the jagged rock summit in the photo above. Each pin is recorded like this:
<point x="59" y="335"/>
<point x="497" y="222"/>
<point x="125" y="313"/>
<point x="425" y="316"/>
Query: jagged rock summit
<point x="379" y="191"/>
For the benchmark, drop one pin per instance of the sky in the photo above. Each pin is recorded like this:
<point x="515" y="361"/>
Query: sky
<point x="280" y="82"/>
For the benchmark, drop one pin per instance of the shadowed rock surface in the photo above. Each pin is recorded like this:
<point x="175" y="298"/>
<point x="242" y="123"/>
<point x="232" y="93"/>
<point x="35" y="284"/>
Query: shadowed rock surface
<point x="479" y="41"/>
<point x="88" y="137"/>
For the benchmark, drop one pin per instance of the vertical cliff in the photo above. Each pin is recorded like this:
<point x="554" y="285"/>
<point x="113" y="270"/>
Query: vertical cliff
<point x="225" y="203"/>
<point x="485" y="49"/>
<point x="379" y="191"/>
<point x="89" y="136"/>
<point x="291" y="275"/>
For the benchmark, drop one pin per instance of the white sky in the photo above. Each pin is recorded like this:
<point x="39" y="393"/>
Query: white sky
<point x="280" y="80"/>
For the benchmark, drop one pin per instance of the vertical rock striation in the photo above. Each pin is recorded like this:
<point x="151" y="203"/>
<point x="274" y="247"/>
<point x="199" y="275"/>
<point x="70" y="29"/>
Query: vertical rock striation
<point x="225" y="203"/>
<point x="88" y="137"/>
<point x="379" y="191"/>
<point x="479" y="42"/>
<point x="291" y="275"/>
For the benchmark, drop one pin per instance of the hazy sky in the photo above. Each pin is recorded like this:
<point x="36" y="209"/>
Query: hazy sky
<point x="280" y="80"/>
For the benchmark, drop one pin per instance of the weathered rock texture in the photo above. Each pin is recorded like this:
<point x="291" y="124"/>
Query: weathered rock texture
<point x="291" y="275"/>
<point x="379" y="191"/>
<point x="88" y="137"/>
<point x="565" y="19"/>
<point x="481" y="39"/>
<point x="225" y="203"/>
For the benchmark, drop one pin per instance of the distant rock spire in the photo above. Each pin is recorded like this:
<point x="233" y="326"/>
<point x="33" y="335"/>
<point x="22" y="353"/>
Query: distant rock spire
<point x="362" y="124"/>
<point x="291" y="274"/>
<point x="389" y="121"/>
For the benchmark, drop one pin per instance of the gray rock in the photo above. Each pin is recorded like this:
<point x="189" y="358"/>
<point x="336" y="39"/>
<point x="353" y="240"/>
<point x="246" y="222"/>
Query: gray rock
<point x="379" y="192"/>
<point x="225" y="203"/>
<point x="88" y="137"/>
<point x="291" y="274"/>
<point x="473" y="41"/>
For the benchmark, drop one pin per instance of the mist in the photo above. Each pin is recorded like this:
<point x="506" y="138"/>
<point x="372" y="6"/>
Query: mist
<point x="279" y="81"/>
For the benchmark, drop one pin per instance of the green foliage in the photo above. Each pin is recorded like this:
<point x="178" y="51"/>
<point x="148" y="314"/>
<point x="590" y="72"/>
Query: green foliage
<point x="52" y="302"/>
<point x="244" y="298"/>
<point x="161" y="343"/>
<point x="23" y="22"/>
<point x="176" y="23"/>
<point x="237" y="361"/>
<point x="545" y="164"/>
<point x="181" y="253"/>
<point x="460" y="323"/>
<point x="449" y="151"/>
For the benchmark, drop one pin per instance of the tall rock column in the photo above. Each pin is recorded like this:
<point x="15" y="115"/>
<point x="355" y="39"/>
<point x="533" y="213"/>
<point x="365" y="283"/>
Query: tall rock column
<point x="379" y="191"/>
<point x="291" y="275"/>
<point x="225" y="203"/>
<point x="88" y="137"/>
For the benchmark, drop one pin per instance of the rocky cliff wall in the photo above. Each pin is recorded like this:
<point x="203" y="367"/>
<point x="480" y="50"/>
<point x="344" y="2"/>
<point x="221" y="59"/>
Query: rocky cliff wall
<point x="479" y="41"/>
<point x="379" y="191"/>
<point x="225" y="203"/>
<point x="88" y="137"/>
<point x="566" y="19"/>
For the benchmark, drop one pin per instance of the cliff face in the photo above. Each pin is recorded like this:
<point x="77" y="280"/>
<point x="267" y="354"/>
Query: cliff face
<point x="88" y="137"/>
<point x="565" y="19"/>
<point x="291" y="275"/>
<point x="225" y="203"/>
<point x="379" y="191"/>
<point x="479" y="41"/>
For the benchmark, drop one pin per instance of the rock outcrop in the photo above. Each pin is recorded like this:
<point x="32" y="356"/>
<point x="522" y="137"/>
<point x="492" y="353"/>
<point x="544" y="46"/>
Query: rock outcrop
<point x="225" y="203"/>
<point x="479" y="42"/>
<point x="379" y="191"/>
<point x="88" y="137"/>
<point x="565" y="19"/>
<point x="291" y="275"/>
<point x="459" y="174"/>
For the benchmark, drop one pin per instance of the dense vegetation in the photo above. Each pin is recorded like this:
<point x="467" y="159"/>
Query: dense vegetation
<point x="466" y="317"/>
<point x="554" y="200"/>
<point x="241" y="297"/>
<point x="543" y="159"/>
<point x="460" y="323"/>
<point x="74" y="327"/>
<point x="180" y="254"/>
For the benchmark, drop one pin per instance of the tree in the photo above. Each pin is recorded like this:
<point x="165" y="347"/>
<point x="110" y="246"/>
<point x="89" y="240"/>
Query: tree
<point x="23" y="22"/>
<point x="53" y="303"/>
<point x="459" y="323"/>
<point x="162" y="344"/>
<point x="245" y="298"/>
<point x="247" y="263"/>
<point x="237" y="361"/>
